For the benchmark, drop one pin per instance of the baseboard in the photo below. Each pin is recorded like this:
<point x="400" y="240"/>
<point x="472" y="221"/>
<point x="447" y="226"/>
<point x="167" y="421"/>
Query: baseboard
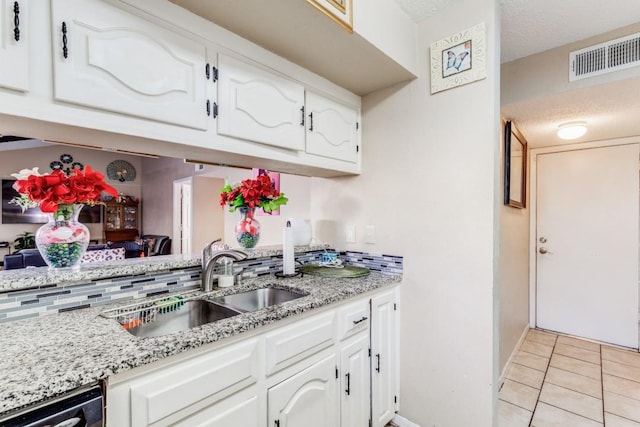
<point x="503" y="375"/>
<point x="403" y="422"/>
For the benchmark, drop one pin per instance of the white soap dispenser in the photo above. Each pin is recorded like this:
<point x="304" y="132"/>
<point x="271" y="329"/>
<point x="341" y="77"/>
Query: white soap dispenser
<point x="226" y="278"/>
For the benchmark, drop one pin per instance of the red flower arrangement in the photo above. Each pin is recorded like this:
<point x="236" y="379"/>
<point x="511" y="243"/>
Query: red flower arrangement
<point x="252" y="193"/>
<point x="49" y="191"/>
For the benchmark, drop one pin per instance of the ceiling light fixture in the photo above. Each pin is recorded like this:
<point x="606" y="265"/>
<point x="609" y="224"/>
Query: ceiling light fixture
<point x="572" y="130"/>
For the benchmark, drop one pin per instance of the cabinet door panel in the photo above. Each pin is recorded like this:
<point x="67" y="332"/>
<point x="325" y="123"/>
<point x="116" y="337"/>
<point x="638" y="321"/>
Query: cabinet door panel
<point x="259" y="106"/>
<point x="383" y="358"/>
<point x="331" y="129"/>
<point x="14" y="54"/>
<point x="307" y="399"/>
<point x="119" y="62"/>
<point x="354" y="363"/>
<point x="239" y="410"/>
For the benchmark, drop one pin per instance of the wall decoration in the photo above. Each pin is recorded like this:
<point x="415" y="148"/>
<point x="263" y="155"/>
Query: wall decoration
<point x="66" y="164"/>
<point x="275" y="180"/>
<point x="515" y="167"/>
<point x="459" y="59"/>
<point x="121" y="170"/>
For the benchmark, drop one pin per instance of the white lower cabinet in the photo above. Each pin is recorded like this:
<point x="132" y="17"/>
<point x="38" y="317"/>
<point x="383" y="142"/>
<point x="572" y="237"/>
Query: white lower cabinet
<point x="355" y="385"/>
<point x="313" y="371"/>
<point x="307" y="399"/>
<point x="384" y="394"/>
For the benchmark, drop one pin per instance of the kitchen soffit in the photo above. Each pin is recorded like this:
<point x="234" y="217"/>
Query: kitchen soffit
<point x="300" y="33"/>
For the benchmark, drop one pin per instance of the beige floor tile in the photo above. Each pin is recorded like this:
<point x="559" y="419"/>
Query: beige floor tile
<point x="577" y="353"/>
<point x="621" y="370"/>
<point x="510" y="415"/>
<point x="536" y="348"/>
<point x="622" y="406"/>
<point x="531" y="360"/>
<point x="622" y="356"/>
<point x="575" y="382"/>
<point x="519" y="394"/>
<point x="572" y="401"/>
<point x="587" y="345"/>
<point x="621" y="386"/>
<point x="577" y="366"/>
<point x="611" y="420"/>
<point x="550" y="416"/>
<point x="525" y="375"/>
<point x="545" y="338"/>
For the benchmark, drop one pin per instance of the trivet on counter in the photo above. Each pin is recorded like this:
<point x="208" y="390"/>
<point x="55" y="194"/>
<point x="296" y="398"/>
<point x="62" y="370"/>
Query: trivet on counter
<point x="337" y="273"/>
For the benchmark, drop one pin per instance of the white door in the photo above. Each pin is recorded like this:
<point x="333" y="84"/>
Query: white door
<point x="307" y="399"/>
<point x="258" y="105"/>
<point x="587" y="243"/>
<point x="332" y="129"/>
<point x="383" y="358"/>
<point x="108" y="59"/>
<point x="354" y="365"/>
<point x="14" y="44"/>
<point x="185" y="218"/>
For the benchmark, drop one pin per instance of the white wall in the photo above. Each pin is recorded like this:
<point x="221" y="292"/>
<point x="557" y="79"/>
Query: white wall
<point x="430" y="186"/>
<point x="15" y="160"/>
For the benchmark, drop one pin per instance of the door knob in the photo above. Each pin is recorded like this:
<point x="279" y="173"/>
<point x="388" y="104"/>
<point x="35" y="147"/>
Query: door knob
<point x="543" y="240"/>
<point x="544" y="250"/>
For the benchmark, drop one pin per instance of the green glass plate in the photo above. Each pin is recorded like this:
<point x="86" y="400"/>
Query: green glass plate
<point x="337" y="273"/>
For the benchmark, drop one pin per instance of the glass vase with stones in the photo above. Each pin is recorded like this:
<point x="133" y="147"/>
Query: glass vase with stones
<point x="63" y="240"/>
<point x="248" y="228"/>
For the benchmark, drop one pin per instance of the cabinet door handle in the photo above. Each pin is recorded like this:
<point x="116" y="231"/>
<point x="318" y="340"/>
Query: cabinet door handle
<point x="378" y="357"/>
<point x="16" y="21"/>
<point x="215" y="110"/>
<point x="355" y="322"/>
<point x="65" y="50"/>
<point x="208" y="108"/>
<point x="348" y="390"/>
<point x="311" y="122"/>
<point x="302" y="116"/>
<point x="207" y="70"/>
<point x="277" y="423"/>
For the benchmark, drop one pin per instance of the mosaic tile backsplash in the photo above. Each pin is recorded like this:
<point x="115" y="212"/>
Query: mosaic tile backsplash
<point x="51" y="298"/>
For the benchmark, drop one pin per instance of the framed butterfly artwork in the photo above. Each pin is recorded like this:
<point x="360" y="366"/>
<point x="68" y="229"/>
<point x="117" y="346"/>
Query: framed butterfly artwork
<point x="459" y="59"/>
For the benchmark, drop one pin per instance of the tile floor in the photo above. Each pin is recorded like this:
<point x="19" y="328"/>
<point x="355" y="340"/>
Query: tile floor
<point x="556" y="380"/>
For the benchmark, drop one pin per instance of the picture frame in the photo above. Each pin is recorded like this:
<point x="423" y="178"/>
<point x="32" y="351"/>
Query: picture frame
<point x="340" y="11"/>
<point x="515" y="167"/>
<point x="459" y="59"/>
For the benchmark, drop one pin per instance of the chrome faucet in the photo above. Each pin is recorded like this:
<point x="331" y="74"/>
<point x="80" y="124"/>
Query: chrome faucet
<point x="207" y="251"/>
<point x="211" y="262"/>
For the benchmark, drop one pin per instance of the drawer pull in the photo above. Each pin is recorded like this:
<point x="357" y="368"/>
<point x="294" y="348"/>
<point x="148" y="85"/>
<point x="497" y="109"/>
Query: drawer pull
<point x="355" y="322"/>
<point x="311" y="122"/>
<point x="378" y="357"/>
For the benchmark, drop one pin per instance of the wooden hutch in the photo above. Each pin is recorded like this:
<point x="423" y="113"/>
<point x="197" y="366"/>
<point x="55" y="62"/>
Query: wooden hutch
<point x="121" y="219"/>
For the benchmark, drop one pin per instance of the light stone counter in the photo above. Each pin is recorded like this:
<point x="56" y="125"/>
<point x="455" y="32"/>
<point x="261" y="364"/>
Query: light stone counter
<point x="46" y="356"/>
<point x="41" y="276"/>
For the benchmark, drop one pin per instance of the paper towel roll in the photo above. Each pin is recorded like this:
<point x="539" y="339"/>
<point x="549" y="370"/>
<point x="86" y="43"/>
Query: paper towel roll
<point x="287" y="250"/>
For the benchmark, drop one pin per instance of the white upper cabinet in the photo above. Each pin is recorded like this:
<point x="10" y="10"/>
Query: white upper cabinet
<point x="108" y="59"/>
<point x="332" y="129"/>
<point x="258" y="105"/>
<point x="14" y="45"/>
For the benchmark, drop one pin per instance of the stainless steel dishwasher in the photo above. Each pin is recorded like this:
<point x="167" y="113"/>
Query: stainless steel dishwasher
<point x="80" y="408"/>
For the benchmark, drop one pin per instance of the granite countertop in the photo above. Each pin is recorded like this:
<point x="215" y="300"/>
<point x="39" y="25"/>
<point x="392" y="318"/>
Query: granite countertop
<point x="39" y="276"/>
<point x="47" y="356"/>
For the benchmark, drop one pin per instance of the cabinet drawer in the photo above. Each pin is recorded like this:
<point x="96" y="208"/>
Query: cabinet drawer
<point x="293" y="343"/>
<point x="213" y="376"/>
<point x="353" y="318"/>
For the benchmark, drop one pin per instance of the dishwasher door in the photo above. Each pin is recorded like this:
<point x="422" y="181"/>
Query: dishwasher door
<point x="82" y="408"/>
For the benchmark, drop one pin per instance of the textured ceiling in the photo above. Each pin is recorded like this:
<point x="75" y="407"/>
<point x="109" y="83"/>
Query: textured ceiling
<point x="532" y="26"/>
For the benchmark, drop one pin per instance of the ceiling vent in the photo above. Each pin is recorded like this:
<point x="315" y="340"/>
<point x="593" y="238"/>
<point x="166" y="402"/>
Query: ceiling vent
<point x="605" y="58"/>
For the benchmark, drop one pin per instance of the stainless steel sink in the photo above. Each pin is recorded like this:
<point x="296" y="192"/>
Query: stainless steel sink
<point x="258" y="299"/>
<point x="189" y="315"/>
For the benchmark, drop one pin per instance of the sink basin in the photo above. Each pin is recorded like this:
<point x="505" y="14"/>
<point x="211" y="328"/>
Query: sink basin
<point x="191" y="314"/>
<point x="258" y="299"/>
